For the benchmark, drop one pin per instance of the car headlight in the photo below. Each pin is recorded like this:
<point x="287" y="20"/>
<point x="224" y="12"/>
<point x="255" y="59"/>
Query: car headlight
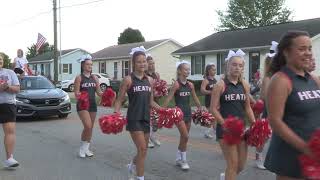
<point x="65" y="99"/>
<point x="23" y="100"/>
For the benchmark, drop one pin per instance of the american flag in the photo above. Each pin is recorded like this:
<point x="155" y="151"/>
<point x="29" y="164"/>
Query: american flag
<point x="41" y="40"/>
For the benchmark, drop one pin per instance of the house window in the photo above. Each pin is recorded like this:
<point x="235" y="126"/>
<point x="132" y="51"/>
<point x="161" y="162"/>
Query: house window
<point x="198" y="64"/>
<point x="65" y="68"/>
<point x="254" y="64"/>
<point x="125" y="68"/>
<point x="115" y="70"/>
<point x="221" y="63"/>
<point x="102" y="67"/>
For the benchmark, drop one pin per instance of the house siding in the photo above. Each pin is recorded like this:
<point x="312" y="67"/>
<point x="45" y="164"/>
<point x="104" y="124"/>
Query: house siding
<point x="165" y="63"/>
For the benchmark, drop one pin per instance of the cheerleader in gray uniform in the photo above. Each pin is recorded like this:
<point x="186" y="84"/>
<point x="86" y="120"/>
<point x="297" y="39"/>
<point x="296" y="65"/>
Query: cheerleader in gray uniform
<point x="182" y="90"/>
<point x="294" y="114"/>
<point x="139" y="88"/>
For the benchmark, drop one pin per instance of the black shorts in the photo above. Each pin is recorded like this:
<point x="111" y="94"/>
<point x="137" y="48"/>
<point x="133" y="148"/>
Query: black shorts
<point x="8" y="113"/>
<point x="138" y="125"/>
<point x="92" y="107"/>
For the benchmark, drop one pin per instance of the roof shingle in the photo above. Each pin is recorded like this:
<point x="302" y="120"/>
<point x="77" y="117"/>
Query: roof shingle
<point x="250" y="37"/>
<point x="49" y="55"/>
<point x="123" y="50"/>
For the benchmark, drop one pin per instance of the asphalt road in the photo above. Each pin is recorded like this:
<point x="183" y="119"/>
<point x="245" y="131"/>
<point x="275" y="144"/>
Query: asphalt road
<point x="47" y="150"/>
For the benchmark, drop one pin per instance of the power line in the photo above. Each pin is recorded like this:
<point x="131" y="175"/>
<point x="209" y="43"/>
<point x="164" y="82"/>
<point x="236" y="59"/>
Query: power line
<point x="26" y="19"/>
<point x="81" y="4"/>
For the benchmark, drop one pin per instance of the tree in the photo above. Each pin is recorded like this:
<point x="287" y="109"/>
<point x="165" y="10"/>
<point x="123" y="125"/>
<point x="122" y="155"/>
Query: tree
<point x="32" y="52"/>
<point x="130" y="35"/>
<point x="253" y="13"/>
<point x="6" y="60"/>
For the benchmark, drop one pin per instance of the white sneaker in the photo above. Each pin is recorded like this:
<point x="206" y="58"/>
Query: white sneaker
<point x="155" y="141"/>
<point x="150" y="144"/>
<point x="131" y="172"/>
<point x="222" y="176"/>
<point x="259" y="164"/>
<point x="82" y="153"/>
<point x="183" y="164"/>
<point x="10" y="163"/>
<point x="207" y="134"/>
<point x="88" y="153"/>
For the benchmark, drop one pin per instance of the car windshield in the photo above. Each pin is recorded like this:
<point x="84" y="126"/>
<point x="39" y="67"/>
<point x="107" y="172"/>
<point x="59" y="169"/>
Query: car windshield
<point x="36" y="83"/>
<point x="105" y="75"/>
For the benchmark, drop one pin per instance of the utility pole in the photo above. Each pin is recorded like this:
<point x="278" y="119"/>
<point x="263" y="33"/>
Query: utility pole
<point x="55" y="51"/>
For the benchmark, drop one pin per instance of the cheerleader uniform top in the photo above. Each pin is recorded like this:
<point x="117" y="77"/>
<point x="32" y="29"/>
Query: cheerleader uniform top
<point x="89" y="84"/>
<point x="182" y="99"/>
<point x="302" y="115"/>
<point x="139" y="95"/>
<point x="209" y="87"/>
<point x="232" y="100"/>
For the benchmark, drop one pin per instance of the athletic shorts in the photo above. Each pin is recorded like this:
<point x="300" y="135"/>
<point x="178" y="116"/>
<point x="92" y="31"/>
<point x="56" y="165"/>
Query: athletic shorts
<point x="138" y="125"/>
<point x="8" y="113"/>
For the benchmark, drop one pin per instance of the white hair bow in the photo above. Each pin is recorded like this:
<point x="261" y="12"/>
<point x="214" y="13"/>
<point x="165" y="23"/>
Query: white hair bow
<point x="182" y="62"/>
<point x="239" y="53"/>
<point x="85" y="57"/>
<point x="274" y="46"/>
<point x="136" y="49"/>
<point x="270" y="55"/>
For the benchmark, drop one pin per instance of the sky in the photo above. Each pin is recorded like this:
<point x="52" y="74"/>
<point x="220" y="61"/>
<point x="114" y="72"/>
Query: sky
<point x="97" y="25"/>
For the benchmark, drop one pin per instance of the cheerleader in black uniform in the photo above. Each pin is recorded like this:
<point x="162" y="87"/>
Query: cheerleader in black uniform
<point x="155" y="76"/>
<point x="206" y="89"/>
<point x="264" y="87"/>
<point x="230" y="96"/>
<point x="182" y="90"/>
<point x="90" y="83"/>
<point x="293" y="102"/>
<point x="138" y="86"/>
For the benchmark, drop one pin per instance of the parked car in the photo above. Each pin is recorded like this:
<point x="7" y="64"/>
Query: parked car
<point x="104" y="80"/>
<point x="39" y="97"/>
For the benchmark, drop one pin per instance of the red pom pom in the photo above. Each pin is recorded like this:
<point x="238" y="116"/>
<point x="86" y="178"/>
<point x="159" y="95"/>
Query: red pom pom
<point x="233" y="130"/>
<point x="83" y="99"/>
<point x="160" y="88"/>
<point x="108" y="97"/>
<point x="258" y="107"/>
<point x="170" y="116"/>
<point x="113" y="123"/>
<point x="202" y="117"/>
<point x="314" y="144"/>
<point x="310" y="167"/>
<point x="259" y="133"/>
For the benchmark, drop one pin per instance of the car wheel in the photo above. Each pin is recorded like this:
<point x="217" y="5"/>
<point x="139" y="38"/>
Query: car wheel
<point x="71" y="87"/>
<point x="103" y="87"/>
<point x="63" y="115"/>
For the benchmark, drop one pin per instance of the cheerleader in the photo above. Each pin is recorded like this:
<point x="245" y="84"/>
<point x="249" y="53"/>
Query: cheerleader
<point x="90" y="83"/>
<point x="230" y="96"/>
<point x="312" y="65"/>
<point x="138" y="86"/>
<point x="181" y="90"/>
<point x="294" y="114"/>
<point x="264" y="87"/>
<point x="155" y="76"/>
<point x="206" y="88"/>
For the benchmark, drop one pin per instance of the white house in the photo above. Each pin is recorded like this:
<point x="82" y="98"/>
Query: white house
<point x="116" y="62"/>
<point x="69" y="67"/>
<point x="255" y="42"/>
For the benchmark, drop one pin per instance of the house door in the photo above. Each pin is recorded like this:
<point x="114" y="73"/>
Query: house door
<point x="254" y="64"/>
